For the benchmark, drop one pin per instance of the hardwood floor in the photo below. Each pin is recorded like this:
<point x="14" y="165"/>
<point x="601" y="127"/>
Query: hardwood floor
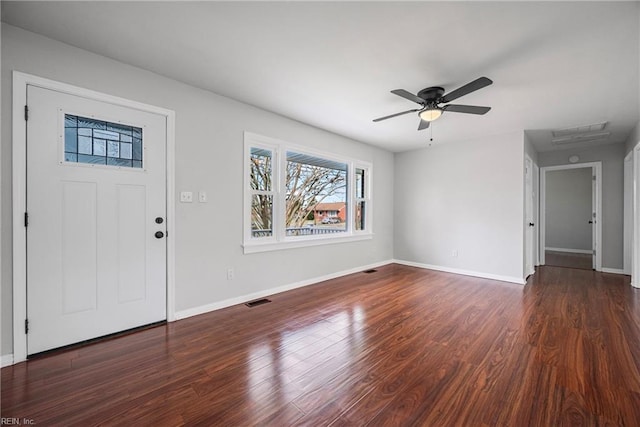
<point x="569" y="259"/>
<point x="399" y="347"/>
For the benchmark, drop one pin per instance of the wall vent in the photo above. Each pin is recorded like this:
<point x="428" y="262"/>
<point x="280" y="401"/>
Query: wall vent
<point x="595" y="127"/>
<point x="257" y="302"/>
<point x="580" y="137"/>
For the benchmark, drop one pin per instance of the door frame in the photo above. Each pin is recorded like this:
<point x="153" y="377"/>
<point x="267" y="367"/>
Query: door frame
<point x="596" y="168"/>
<point x="530" y="193"/>
<point x="635" y="261"/>
<point x="19" y="189"/>
<point x="628" y="226"/>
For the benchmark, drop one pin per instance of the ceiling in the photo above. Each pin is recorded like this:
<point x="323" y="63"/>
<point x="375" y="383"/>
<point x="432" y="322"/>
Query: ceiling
<point x="332" y="64"/>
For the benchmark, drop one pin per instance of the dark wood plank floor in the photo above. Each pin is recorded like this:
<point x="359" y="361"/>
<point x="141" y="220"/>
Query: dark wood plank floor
<point x="569" y="259"/>
<point x="399" y="347"/>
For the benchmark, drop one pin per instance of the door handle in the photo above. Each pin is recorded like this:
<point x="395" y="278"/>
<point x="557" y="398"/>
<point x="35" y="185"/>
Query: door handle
<point x="531" y="224"/>
<point x="159" y="234"/>
<point x="590" y="222"/>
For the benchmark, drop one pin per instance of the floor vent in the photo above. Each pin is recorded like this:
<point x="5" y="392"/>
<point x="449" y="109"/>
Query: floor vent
<point x="257" y="302"/>
<point x="373" y="270"/>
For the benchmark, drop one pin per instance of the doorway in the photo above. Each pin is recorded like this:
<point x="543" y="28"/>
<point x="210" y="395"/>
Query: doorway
<point x="92" y="178"/>
<point x="570" y="228"/>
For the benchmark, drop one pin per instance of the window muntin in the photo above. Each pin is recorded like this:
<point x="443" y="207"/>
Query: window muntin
<point x="281" y="218"/>
<point x="100" y="142"/>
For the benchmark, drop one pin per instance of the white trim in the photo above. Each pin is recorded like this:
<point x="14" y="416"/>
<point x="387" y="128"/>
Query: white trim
<point x="183" y="314"/>
<point x="7" y="360"/>
<point x="635" y="262"/>
<point x="575" y="251"/>
<point x="501" y="278"/>
<point x="627" y="212"/>
<point x="20" y="82"/>
<point x="613" y="271"/>
<point x="596" y="168"/>
<point x="252" y="248"/>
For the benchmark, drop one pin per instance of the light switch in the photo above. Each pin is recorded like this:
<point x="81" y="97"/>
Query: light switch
<point x="202" y="197"/>
<point x="186" y="197"/>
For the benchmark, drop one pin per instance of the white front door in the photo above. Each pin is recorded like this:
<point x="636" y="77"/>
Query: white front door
<point x="96" y="203"/>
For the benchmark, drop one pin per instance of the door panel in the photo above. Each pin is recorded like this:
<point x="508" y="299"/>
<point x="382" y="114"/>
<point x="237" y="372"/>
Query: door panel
<point x="94" y="266"/>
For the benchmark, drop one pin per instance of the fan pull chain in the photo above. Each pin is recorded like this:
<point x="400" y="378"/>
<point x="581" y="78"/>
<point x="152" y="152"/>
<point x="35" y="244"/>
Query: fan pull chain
<point x="431" y="134"/>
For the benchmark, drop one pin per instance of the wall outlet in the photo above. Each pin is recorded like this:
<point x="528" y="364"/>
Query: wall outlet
<point x="454" y="253"/>
<point x="186" y="196"/>
<point x="230" y="274"/>
<point x="202" y="197"/>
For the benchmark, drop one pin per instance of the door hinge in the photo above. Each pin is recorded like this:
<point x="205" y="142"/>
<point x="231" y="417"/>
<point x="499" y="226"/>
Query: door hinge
<point x="26" y="113"/>
<point x="26" y="219"/>
<point x="26" y="326"/>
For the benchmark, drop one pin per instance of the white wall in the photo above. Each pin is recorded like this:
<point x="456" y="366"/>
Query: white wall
<point x="568" y="209"/>
<point x="209" y="156"/>
<point x="466" y="196"/>
<point x="612" y="157"/>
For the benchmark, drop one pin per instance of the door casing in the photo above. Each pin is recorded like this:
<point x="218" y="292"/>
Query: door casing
<point x="19" y="188"/>
<point x="596" y="168"/>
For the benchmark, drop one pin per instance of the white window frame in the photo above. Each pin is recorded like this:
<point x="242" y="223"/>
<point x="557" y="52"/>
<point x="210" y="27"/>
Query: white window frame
<point x="279" y="240"/>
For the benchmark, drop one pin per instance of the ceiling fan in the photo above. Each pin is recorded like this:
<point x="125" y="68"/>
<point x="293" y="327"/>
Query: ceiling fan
<point x="431" y="98"/>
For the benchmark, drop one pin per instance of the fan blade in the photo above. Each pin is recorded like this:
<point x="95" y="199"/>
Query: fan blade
<point x="466" y="89"/>
<point x="408" y="95"/>
<point x="470" y="109"/>
<point x="423" y="124"/>
<point x="396" y="115"/>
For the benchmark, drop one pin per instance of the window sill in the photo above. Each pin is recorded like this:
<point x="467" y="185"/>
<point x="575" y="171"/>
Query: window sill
<point x="255" y="247"/>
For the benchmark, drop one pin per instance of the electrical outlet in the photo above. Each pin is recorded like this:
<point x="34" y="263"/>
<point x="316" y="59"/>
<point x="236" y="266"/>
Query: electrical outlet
<point x="454" y="253"/>
<point x="230" y="274"/>
<point x="186" y="197"/>
<point x="202" y="197"/>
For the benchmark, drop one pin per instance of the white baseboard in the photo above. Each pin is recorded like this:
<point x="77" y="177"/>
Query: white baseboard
<point x="574" y="251"/>
<point x="510" y="279"/>
<point x="7" y="360"/>
<point x="183" y="314"/>
<point x="613" y="270"/>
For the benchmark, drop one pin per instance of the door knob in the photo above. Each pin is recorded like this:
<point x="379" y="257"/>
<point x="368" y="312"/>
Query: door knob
<point x="531" y="224"/>
<point x="159" y="234"/>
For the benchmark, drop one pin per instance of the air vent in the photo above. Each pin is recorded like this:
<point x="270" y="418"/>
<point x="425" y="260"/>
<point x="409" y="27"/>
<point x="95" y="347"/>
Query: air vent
<point x="595" y="127"/>
<point x="257" y="302"/>
<point x="370" y="271"/>
<point x="580" y="137"/>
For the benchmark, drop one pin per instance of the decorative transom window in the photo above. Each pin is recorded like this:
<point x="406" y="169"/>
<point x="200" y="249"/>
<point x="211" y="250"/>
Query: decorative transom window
<point x="99" y="142"/>
<point x="296" y="197"/>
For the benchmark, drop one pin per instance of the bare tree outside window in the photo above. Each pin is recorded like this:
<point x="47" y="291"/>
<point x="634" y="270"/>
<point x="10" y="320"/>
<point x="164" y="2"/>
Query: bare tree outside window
<point x="262" y="192"/>
<point x="309" y="181"/>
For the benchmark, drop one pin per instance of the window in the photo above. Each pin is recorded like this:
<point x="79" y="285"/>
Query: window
<point x="261" y="183"/>
<point x="296" y="197"/>
<point x="104" y="143"/>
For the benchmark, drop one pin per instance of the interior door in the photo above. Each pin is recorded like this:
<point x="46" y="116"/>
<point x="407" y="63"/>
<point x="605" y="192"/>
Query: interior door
<point x="96" y="203"/>
<point x="594" y="234"/>
<point x="529" y="218"/>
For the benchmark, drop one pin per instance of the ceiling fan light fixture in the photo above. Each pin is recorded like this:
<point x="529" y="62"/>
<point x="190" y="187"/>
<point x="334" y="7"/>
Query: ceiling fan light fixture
<point x="430" y="114"/>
